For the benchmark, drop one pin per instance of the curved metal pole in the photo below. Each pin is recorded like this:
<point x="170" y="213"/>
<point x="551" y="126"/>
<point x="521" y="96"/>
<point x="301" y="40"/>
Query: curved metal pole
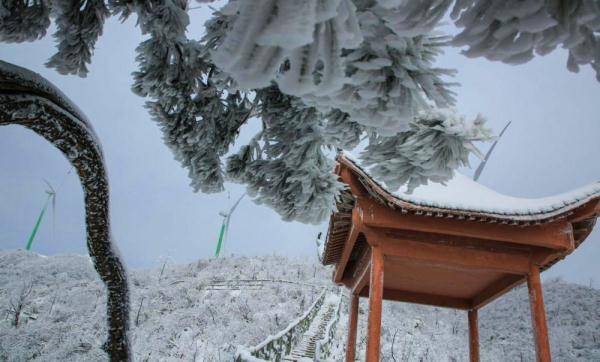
<point x="29" y="100"/>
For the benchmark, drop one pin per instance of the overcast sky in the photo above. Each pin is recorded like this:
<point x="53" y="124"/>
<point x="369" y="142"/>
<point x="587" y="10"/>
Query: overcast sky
<point x="551" y="147"/>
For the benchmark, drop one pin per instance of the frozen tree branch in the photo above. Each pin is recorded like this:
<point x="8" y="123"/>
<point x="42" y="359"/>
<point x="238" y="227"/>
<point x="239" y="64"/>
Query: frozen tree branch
<point x="320" y="75"/>
<point x="79" y="26"/>
<point x="290" y="173"/>
<point x="23" y="20"/>
<point x="436" y="144"/>
<point x="19" y="301"/>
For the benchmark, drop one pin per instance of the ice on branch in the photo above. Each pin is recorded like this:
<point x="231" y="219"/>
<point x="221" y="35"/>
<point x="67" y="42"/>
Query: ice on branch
<point x="297" y="44"/>
<point x="512" y="31"/>
<point x="23" y="20"/>
<point x="410" y="18"/>
<point x="341" y="132"/>
<point x="79" y="26"/>
<point x="318" y="73"/>
<point x="199" y="121"/>
<point x="390" y="78"/>
<point x="285" y="166"/>
<point x="437" y="143"/>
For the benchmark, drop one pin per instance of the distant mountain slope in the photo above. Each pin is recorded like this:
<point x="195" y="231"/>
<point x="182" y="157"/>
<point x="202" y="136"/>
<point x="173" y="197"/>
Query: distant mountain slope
<point x="190" y="313"/>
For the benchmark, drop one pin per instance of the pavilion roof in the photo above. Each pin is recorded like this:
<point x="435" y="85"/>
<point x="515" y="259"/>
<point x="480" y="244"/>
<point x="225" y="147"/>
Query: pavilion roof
<point x="463" y="195"/>
<point x="460" y="199"/>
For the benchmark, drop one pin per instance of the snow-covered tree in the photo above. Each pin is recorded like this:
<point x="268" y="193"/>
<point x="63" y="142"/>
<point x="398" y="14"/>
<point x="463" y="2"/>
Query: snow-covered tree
<point x="321" y="74"/>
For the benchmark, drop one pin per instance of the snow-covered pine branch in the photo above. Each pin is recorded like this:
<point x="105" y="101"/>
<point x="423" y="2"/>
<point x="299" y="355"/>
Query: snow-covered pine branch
<point x="288" y="42"/>
<point x="286" y="167"/>
<point x="512" y="31"/>
<point x="409" y="18"/>
<point x="23" y="20"/>
<point x="436" y="144"/>
<point x="389" y="78"/>
<point x="79" y="25"/>
<point x="199" y="121"/>
<point x="341" y="132"/>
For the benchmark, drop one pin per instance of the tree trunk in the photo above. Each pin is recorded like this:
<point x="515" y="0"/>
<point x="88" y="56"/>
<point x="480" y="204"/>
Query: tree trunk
<point x="29" y="100"/>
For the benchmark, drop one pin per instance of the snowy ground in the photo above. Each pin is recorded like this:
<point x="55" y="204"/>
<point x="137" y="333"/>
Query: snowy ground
<point x="189" y="313"/>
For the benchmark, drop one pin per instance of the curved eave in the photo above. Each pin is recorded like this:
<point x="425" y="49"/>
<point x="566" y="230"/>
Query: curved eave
<point x="378" y="192"/>
<point x="340" y="223"/>
<point x="581" y="213"/>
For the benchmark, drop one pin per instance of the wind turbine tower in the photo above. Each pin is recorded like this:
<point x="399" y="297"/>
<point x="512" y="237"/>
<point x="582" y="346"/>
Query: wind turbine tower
<point x="225" y="225"/>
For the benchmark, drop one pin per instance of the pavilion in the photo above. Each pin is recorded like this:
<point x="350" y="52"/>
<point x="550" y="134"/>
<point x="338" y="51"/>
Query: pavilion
<point x="458" y="245"/>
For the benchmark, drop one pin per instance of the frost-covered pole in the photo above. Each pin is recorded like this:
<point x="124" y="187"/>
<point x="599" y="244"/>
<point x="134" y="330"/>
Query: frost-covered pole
<point x="29" y="100"/>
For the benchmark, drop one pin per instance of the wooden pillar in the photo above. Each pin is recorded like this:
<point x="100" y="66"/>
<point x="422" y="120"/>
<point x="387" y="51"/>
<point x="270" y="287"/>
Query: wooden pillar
<point x="473" y="336"/>
<point x="538" y="315"/>
<point x="375" y="304"/>
<point x="352" y="328"/>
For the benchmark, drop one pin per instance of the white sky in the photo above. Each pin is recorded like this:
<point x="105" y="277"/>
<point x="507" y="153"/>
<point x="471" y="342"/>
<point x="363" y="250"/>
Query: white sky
<point x="551" y="147"/>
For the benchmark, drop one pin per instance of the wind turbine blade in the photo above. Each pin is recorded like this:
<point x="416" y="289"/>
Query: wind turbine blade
<point x="488" y="154"/>
<point x="504" y="129"/>
<point x="236" y="203"/>
<point x="52" y="191"/>
<point x="53" y="217"/>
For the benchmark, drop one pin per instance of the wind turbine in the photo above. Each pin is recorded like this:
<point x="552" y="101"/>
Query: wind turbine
<point x="50" y="200"/>
<point x="488" y="154"/>
<point x="225" y="225"/>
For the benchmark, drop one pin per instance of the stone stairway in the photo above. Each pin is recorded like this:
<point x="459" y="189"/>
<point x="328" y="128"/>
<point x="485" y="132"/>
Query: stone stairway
<point x="306" y="349"/>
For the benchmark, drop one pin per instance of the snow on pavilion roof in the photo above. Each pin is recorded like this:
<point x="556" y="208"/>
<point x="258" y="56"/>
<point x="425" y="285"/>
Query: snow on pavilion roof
<point x="462" y="194"/>
<point x="460" y="199"/>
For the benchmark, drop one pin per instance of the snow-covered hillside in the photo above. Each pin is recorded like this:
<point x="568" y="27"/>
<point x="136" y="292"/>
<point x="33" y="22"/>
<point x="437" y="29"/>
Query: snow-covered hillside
<point x="190" y="312"/>
<point x="424" y="333"/>
<point x="186" y="311"/>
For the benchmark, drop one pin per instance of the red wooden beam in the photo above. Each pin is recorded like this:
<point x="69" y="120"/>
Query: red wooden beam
<point x="352" y="328"/>
<point x="496" y="289"/>
<point x="375" y="304"/>
<point x="473" y="336"/>
<point x="424" y="298"/>
<point x="456" y="257"/>
<point x="554" y="235"/>
<point x="588" y="211"/>
<point x="348" y="245"/>
<point x="538" y="315"/>
<point x="362" y="272"/>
